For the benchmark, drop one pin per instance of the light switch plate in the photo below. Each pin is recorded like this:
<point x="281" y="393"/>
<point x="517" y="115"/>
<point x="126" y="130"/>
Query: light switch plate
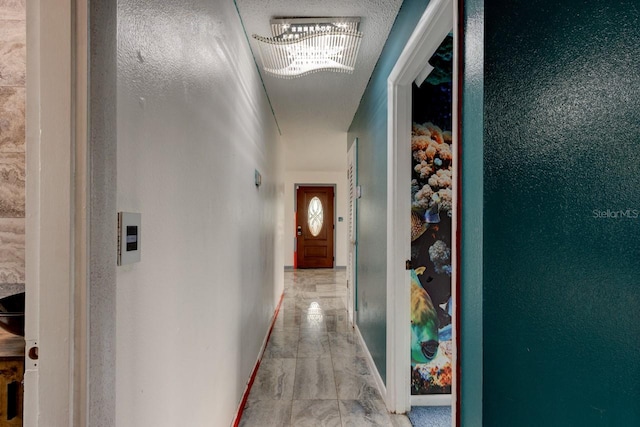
<point x="257" y="178"/>
<point x="129" y="233"/>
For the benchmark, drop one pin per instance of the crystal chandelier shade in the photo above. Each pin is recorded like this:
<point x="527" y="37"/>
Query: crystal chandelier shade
<point x="300" y="46"/>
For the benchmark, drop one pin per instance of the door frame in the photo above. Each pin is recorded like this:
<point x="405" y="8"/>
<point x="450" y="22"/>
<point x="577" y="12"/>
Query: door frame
<point x="295" y="217"/>
<point x="56" y="233"/>
<point x="352" y="241"/>
<point x="436" y="22"/>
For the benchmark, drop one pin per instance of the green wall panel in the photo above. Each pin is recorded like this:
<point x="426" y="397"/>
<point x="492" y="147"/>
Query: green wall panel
<point x="370" y="127"/>
<point x="562" y="213"/>
<point x="470" y="301"/>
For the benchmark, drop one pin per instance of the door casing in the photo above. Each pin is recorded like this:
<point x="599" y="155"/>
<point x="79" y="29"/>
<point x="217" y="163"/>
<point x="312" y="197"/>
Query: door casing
<point x="56" y="239"/>
<point x="436" y="22"/>
<point x="352" y="251"/>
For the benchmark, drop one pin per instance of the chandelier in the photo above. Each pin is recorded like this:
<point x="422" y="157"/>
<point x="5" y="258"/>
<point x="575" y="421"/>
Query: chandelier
<point x="300" y="46"/>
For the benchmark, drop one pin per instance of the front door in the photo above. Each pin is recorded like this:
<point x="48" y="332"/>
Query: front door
<point x="315" y="227"/>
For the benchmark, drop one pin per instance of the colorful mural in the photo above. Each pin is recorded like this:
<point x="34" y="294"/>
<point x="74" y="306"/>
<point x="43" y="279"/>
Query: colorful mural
<point x="431" y="228"/>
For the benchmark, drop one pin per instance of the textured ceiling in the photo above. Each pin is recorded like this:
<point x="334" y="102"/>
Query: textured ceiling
<point x="315" y="111"/>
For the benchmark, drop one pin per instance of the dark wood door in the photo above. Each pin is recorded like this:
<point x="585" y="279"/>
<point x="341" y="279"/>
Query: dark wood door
<point x="315" y="227"/>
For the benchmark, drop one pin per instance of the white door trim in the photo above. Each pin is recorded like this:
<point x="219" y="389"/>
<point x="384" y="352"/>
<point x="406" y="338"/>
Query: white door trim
<point x="80" y="362"/>
<point x="54" y="386"/>
<point x="352" y="249"/>
<point x="435" y="24"/>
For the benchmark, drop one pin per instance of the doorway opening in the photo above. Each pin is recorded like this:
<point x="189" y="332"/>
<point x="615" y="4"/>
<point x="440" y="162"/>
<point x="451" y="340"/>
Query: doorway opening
<point x="432" y="164"/>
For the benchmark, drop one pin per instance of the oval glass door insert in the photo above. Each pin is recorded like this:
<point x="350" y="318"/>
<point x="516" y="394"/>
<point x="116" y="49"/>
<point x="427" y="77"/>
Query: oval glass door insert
<point x="315" y="216"/>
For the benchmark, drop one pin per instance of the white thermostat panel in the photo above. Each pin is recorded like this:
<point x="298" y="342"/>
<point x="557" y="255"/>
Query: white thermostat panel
<point x="129" y="227"/>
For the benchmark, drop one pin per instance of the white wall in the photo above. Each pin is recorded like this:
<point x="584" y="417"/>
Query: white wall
<point x="193" y="124"/>
<point x="342" y="199"/>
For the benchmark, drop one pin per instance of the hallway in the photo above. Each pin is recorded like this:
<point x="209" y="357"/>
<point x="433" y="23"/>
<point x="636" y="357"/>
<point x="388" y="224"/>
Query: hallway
<point x="314" y="371"/>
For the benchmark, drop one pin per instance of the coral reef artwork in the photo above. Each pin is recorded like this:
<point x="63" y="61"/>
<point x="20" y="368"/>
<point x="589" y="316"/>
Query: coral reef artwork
<point x="431" y="229"/>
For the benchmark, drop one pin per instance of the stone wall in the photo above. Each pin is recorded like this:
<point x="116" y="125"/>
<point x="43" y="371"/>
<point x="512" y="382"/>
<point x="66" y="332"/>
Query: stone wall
<point x="12" y="145"/>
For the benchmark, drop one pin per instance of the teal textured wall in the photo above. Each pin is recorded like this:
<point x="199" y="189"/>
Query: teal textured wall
<point x="561" y="219"/>
<point x="370" y="127"/>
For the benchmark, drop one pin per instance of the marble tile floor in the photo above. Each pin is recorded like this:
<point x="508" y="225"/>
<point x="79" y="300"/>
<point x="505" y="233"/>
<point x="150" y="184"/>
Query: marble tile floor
<point x="313" y="371"/>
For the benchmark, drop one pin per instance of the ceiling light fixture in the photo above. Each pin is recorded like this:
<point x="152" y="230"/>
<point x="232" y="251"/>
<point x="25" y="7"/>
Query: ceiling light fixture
<point x="300" y="46"/>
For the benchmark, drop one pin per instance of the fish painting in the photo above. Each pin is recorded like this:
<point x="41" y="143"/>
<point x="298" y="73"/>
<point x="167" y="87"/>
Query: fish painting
<point x="432" y="215"/>
<point x="418" y="226"/>
<point x="424" y="323"/>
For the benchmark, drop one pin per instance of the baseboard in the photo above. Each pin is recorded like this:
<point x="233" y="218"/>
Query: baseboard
<point x="431" y="400"/>
<point x="372" y="366"/>
<point x="337" y="267"/>
<point x="252" y="377"/>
